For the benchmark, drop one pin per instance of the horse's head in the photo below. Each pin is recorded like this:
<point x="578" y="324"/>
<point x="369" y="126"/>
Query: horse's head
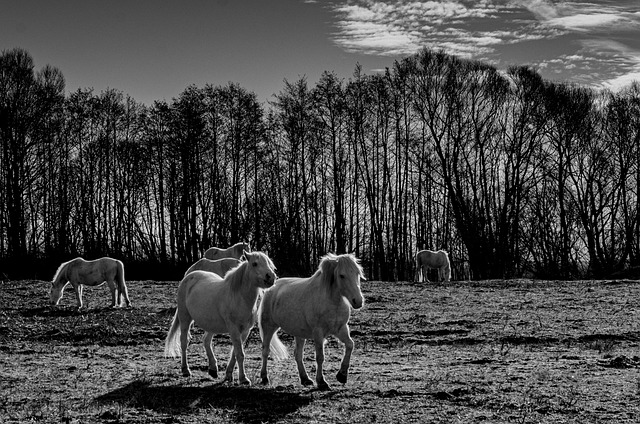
<point x="260" y="267"/>
<point x="58" y="284"/>
<point x="55" y="294"/>
<point x="345" y="273"/>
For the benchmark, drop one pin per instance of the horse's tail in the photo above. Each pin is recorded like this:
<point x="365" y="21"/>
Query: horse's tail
<point x="276" y="347"/>
<point x="172" y="342"/>
<point x="121" y="283"/>
<point x="447" y="266"/>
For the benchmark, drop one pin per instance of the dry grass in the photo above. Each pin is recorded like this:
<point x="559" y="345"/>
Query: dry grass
<point x="516" y="351"/>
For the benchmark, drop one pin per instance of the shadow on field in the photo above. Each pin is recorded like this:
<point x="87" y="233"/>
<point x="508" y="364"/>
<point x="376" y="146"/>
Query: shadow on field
<point x="248" y="404"/>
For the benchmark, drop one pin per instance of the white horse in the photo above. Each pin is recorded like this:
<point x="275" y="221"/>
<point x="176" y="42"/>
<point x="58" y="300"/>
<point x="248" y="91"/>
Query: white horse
<point x="79" y="272"/>
<point x="312" y="308"/>
<point x="219" y="266"/>
<point x="220" y="306"/>
<point x="234" y="251"/>
<point x="426" y="259"/>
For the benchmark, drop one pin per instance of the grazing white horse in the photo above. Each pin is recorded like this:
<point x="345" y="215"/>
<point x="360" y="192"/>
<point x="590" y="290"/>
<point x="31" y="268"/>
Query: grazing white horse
<point x="439" y="260"/>
<point x="219" y="266"/>
<point x="79" y="272"/>
<point x="234" y="251"/>
<point x="220" y="306"/>
<point x="312" y="308"/>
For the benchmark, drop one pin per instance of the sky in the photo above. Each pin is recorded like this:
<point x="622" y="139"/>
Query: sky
<point x="154" y="49"/>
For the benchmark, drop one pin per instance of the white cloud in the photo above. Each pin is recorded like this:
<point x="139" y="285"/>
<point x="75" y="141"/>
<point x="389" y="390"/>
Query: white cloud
<point x="480" y="29"/>
<point x="583" y="22"/>
<point x="395" y="27"/>
<point x="622" y="81"/>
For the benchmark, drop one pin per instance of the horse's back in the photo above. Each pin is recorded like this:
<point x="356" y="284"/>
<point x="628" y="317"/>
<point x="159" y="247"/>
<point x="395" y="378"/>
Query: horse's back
<point x="298" y="305"/>
<point x="212" y="252"/>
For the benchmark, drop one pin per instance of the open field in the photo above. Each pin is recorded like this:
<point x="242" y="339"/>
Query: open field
<point x="518" y="351"/>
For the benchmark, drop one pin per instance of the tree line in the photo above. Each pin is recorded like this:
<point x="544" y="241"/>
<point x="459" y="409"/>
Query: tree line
<point x="509" y="172"/>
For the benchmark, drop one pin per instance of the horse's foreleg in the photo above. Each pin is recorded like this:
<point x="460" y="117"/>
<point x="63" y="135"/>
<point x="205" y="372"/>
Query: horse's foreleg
<point x="78" y="290"/>
<point x="237" y="355"/>
<point x="344" y="337"/>
<point x="319" y="342"/>
<point x="213" y="363"/>
<point x="267" y="335"/>
<point x="297" y="354"/>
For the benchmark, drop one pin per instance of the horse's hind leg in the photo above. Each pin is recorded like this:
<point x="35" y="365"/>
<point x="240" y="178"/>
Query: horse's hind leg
<point x="297" y="354"/>
<point x="267" y="335"/>
<point x="184" y="343"/>
<point x="213" y="364"/>
<point x="344" y="337"/>
<point x="115" y="297"/>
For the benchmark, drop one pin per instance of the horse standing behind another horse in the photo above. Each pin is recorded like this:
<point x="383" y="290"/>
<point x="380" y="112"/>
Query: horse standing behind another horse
<point x="312" y="308"/>
<point x="439" y="260"/>
<point x="80" y="272"/>
<point x="218" y="266"/>
<point x="234" y="251"/>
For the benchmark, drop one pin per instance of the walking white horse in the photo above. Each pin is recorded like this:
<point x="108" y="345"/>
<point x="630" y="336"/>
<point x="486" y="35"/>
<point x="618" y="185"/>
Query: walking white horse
<point x="426" y="259"/>
<point x="312" y="308"/>
<point x="79" y="272"/>
<point x="220" y="306"/>
<point x="218" y="266"/>
<point x="234" y="251"/>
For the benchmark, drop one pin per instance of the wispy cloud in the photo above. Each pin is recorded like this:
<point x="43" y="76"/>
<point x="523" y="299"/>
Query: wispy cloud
<point x="483" y="29"/>
<point x="399" y="27"/>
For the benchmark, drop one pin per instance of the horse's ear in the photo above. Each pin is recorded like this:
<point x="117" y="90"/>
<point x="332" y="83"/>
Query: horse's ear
<point x="362" y="278"/>
<point x="245" y="255"/>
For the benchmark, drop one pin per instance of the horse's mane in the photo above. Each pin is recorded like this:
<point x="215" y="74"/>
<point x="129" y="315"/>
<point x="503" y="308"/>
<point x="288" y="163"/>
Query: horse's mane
<point x="61" y="269"/>
<point x="235" y="276"/>
<point x="330" y="261"/>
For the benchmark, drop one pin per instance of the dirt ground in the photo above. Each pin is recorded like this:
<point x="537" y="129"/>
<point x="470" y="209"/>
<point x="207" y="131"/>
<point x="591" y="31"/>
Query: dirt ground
<point x="518" y="351"/>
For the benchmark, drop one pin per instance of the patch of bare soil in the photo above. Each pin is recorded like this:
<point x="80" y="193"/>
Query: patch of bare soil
<point x="518" y="351"/>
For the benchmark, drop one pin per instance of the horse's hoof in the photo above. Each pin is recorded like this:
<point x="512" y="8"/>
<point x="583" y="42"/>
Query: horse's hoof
<point x="186" y="372"/>
<point x="306" y="382"/>
<point x="324" y="386"/>
<point x="342" y="378"/>
<point x="264" y="381"/>
<point x="245" y="382"/>
<point x="213" y="373"/>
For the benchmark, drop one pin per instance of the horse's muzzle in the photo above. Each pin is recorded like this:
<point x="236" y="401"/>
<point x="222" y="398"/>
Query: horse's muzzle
<point x="357" y="303"/>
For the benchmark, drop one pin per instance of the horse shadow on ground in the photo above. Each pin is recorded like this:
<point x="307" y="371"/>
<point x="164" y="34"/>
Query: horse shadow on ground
<point x="247" y="404"/>
<point x="68" y="311"/>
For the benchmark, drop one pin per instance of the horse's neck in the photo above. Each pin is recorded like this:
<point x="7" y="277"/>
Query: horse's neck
<point x="61" y="275"/>
<point x="241" y="288"/>
<point x="322" y="287"/>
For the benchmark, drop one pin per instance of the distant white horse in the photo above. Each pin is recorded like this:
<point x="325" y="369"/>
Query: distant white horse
<point x="426" y="259"/>
<point x="312" y="308"/>
<point x="234" y="251"/>
<point x="219" y="266"/>
<point x="79" y="272"/>
<point x="220" y="306"/>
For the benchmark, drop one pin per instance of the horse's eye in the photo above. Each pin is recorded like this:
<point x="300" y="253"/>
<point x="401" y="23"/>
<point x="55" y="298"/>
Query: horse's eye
<point x="255" y="264"/>
<point x="341" y="275"/>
